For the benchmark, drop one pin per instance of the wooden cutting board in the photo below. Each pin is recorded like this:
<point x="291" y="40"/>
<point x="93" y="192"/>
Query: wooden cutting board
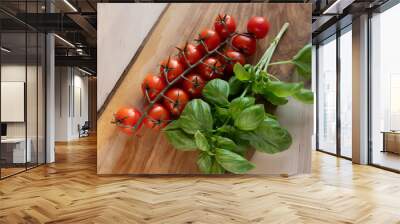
<point x="150" y="153"/>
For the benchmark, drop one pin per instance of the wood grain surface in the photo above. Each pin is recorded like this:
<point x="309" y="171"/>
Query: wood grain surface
<point x="70" y="191"/>
<point x="150" y="153"/>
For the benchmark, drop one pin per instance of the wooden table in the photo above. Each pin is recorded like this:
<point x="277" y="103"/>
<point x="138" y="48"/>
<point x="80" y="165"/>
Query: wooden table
<point x="391" y="141"/>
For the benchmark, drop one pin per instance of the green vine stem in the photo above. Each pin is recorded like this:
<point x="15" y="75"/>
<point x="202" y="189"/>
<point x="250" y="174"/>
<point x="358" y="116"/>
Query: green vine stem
<point x="181" y="76"/>
<point x="281" y="62"/>
<point x="262" y="65"/>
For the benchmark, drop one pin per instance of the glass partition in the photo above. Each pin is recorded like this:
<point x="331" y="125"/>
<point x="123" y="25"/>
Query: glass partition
<point x="385" y="89"/>
<point x="23" y="90"/>
<point x="327" y="96"/>
<point x="14" y="155"/>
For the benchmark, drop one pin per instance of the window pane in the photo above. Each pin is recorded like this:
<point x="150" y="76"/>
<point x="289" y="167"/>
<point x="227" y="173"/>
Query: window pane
<point x="346" y="94"/>
<point x="31" y="100"/>
<point x="327" y="96"/>
<point x="385" y="84"/>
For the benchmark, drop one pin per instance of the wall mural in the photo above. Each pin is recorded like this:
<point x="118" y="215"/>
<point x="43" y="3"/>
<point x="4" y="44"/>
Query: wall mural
<point x="236" y="86"/>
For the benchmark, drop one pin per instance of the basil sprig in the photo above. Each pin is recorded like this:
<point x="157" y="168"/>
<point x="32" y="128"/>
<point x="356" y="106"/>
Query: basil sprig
<point x="227" y="121"/>
<point x="224" y="137"/>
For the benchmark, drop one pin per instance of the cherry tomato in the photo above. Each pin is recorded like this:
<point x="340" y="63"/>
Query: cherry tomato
<point x="192" y="54"/>
<point x="211" y="68"/>
<point x="126" y="118"/>
<point x="258" y="26"/>
<point x="193" y="84"/>
<point x="210" y="38"/>
<point x="157" y="117"/>
<point x="171" y="69"/>
<point x="175" y="100"/>
<point x="235" y="57"/>
<point x="224" y="25"/>
<point x="244" y="43"/>
<point x="153" y="85"/>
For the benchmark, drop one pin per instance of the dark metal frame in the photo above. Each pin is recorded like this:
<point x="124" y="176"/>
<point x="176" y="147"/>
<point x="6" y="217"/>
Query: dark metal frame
<point x="44" y="70"/>
<point x="389" y="4"/>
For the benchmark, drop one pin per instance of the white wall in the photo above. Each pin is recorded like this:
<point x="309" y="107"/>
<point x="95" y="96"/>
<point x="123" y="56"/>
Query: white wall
<point x="69" y="84"/>
<point x="12" y="73"/>
<point x="114" y="56"/>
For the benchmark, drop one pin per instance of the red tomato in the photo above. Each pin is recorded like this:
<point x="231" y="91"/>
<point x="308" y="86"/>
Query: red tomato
<point x="258" y="26"/>
<point x="153" y="85"/>
<point x="224" y="25"/>
<point x="157" y="117"/>
<point x="192" y="54"/>
<point x="210" y="38"/>
<point x="171" y="69"/>
<point x="175" y="100"/>
<point x="193" y="84"/>
<point x="126" y="118"/>
<point x="235" y="57"/>
<point x="211" y="68"/>
<point x="244" y="43"/>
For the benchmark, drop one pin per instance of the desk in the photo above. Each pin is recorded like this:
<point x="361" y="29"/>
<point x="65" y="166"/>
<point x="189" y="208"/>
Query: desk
<point x="15" y="148"/>
<point x="391" y="141"/>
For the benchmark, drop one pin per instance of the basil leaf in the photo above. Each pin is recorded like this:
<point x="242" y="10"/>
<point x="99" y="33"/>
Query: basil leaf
<point x="283" y="89"/>
<point x="204" y="163"/>
<point x="233" y="162"/>
<point x="275" y="100"/>
<point x="235" y="86"/>
<point x="172" y="125"/>
<point x="241" y="73"/>
<point x="226" y="129"/>
<point x="225" y="143"/>
<point x="239" y="104"/>
<point x="222" y="114"/>
<point x="302" y="61"/>
<point x="216" y="168"/>
<point x="305" y="96"/>
<point x="201" y="141"/>
<point x="180" y="140"/>
<point x="271" y="116"/>
<point x="269" y="137"/>
<point x="216" y="92"/>
<point x="250" y="118"/>
<point x="258" y="87"/>
<point x="196" y="116"/>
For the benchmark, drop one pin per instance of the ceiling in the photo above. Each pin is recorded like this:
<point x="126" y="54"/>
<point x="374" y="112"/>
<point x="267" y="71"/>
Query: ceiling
<point x="76" y="22"/>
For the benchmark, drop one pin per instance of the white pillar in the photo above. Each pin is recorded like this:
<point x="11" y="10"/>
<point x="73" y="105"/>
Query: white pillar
<point x="50" y="99"/>
<point x="360" y="90"/>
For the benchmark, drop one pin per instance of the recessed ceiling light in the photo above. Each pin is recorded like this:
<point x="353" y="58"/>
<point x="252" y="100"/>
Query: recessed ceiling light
<point x="70" y="5"/>
<point x="64" y="40"/>
<point x="84" y="71"/>
<point x="5" y="50"/>
<point x="338" y="6"/>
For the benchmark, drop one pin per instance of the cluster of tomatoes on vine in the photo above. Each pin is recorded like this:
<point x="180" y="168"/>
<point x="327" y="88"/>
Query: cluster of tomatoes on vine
<point x="182" y="77"/>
